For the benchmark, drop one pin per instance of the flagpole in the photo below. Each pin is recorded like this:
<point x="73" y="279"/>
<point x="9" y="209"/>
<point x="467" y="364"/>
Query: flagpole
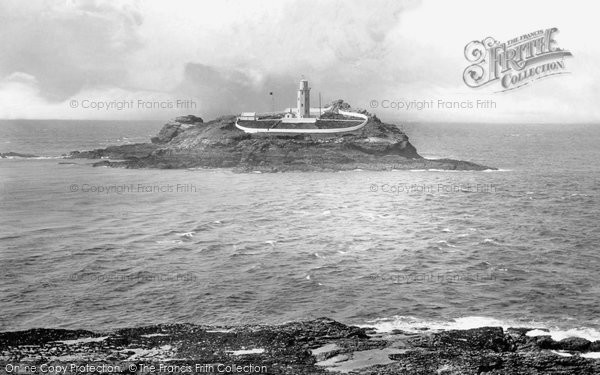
<point x="320" y="104"/>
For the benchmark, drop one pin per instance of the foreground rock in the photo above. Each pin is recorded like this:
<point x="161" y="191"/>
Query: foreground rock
<point x="5" y="155"/>
<point x="189" y="142"/>
<point x="313" y="347"/>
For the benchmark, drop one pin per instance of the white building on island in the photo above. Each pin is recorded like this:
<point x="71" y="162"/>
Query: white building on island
<point x="302" y="119"/>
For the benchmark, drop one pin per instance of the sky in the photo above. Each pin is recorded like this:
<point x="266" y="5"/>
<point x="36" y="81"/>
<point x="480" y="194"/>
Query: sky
<point x="93" y="59"/>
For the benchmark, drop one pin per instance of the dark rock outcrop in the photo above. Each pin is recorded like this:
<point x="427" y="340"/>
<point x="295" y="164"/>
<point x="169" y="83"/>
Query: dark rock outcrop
<point x="123" y="152"/>
<point x="577" y="344"/>
<point x="174" y="128"/>
<point x="11" y="154"/>
<point x="189" y="119"/>
<point x="318" y="346"/>
<point x="487" y="338"/>
<point x="189" y="142"/>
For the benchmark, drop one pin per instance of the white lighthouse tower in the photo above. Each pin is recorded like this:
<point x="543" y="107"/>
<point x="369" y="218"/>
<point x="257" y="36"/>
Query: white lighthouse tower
<point x="303" y="100"/>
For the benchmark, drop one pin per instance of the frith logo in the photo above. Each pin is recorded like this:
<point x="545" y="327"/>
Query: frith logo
<point x="515" y="63"/>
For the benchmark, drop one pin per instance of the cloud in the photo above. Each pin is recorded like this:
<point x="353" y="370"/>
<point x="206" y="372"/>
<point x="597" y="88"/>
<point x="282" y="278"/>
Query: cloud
<point x="228" y="55"/>
<point x="68" y="46"/>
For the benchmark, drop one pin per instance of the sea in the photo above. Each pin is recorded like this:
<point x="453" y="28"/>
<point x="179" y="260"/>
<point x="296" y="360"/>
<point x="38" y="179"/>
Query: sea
<point x="99" y="248"/>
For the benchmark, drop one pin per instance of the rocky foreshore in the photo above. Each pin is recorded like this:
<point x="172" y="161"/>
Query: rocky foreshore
<point x="311" y="347"/>
<point x="189" y="142"/>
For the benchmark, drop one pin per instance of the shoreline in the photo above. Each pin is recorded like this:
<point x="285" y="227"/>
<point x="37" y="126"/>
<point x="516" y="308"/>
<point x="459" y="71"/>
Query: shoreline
<point x="316" y="346"/>
<point x="420" y="165"/>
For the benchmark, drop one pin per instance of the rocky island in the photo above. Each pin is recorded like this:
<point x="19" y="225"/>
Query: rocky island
<point x="189" y="142"/>
<point x="319" y="346"/>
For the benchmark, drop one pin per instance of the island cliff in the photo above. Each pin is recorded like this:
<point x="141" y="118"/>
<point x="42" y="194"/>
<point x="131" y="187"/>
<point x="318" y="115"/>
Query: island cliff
<point x="189" y="142"/>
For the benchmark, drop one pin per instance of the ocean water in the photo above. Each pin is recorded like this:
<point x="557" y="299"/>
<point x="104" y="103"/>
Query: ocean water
<point x="103" y="248"/>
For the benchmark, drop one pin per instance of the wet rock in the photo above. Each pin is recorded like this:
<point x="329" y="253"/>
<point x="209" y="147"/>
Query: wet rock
<point x="131" y="151"/>
<point x="573" y="344"/>
<point x="544" y="342"/>
<point x="282" y="349"/>
<point x="519" y="331"/>
<point x="41" y="336"/>
<point x="486" y="338"/>
<point x="5" y="155"/>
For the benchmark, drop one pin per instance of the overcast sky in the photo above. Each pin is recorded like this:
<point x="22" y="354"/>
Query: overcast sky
<point x="227" y="56"/>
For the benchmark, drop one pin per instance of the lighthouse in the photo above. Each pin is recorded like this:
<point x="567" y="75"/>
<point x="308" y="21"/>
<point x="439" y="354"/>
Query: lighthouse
<point x="303" y="99"/>
<point x="301" y="120"/>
